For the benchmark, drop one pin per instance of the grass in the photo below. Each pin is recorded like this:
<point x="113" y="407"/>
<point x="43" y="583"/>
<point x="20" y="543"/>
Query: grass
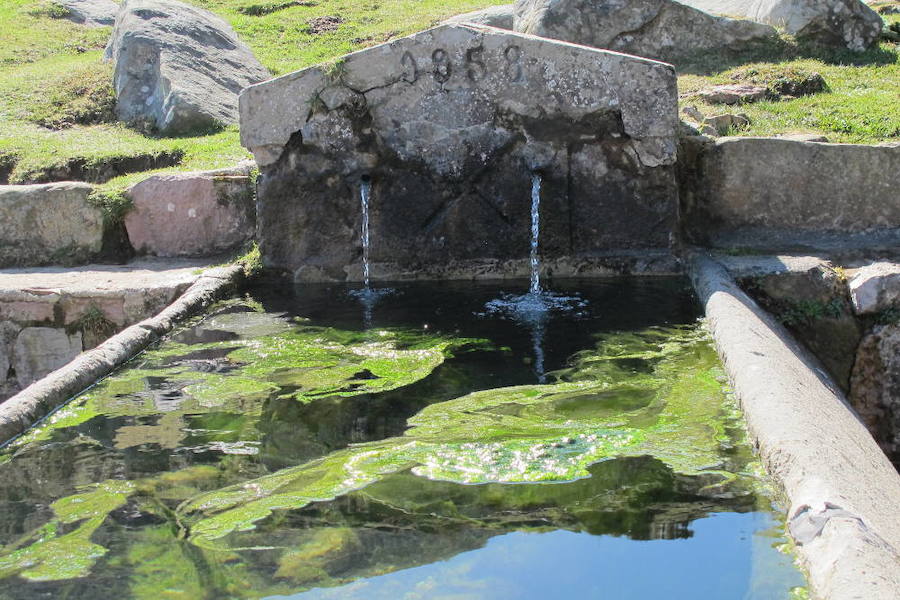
<point x="858" y="106"/>
<point x="55" y="94"/>
<point x="44" y="62"/>
<point x="283" y="42"/>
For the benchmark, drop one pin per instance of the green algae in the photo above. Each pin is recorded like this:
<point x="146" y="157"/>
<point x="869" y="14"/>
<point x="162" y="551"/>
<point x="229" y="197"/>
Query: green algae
<point x="54" y="555"/>
<point x="312" y="363"/>
<point x="522" y="434"/>
<point x="604" y="406"/>
<point x="322" y="362"/>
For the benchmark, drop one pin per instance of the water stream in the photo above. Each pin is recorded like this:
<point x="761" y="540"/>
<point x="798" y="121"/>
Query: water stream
<point x="367" y="295"/>
<point x="535" y="287"/>
<point x="365" y="189"/>
<point x="533" y="309"/>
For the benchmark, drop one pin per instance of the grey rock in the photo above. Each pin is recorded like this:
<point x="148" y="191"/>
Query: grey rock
<point x="875" y="288"/>
<point x="810" y="442"/>
<point x="779" y="194"/>
<point x="733" y="94"/>
<point x="813" y="304"/>
<point x="724" y="124"/>
<point x="192" y="214"/>
<point x="48" y="224"/>
<point x="40" y="350"/>
<point x="495" y="16"/>
<point x="8" y="333"/>
<point x="449" y="126"/>
<point x="91" y="13"/>
<point x="848" y="23"/>
<point x="178" y="67"/>
<point x="875" y="386"/>
<point x="659" y="29"/>
<point x="693" y="113"/>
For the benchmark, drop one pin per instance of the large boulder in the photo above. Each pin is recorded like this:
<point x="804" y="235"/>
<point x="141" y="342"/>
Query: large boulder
<point x="875" y="386"/>
<point x="177" y="67"/>
<point x="501" y="16"/>
<point x="660" y="29"/>
<point x="448" y="128"/>
<point x="192" y="214"/>
<point x="848" y="23"/>
<point x="49" y="223"/>
<point x="91" y="13"/>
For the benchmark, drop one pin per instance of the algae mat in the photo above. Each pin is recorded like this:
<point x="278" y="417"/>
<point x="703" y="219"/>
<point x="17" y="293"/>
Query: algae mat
<point x="294" y="443"/>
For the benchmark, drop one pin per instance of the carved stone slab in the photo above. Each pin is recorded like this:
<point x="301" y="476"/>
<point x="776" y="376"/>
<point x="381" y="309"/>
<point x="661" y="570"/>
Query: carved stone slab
<point x="448" y="126"/>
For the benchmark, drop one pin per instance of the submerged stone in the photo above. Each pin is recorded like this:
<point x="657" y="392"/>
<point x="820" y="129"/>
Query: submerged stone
<point x="447" y="128"/>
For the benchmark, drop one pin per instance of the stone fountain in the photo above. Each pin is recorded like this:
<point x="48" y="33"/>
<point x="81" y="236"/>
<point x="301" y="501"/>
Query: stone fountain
<point x="448" y="127"/>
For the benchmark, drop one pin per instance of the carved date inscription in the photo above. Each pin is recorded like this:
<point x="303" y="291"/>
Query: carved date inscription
<point x="476" y="68"/>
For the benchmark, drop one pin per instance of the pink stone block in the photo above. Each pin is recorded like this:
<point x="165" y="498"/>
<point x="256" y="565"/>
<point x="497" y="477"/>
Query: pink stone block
<point x="192" y="214"/>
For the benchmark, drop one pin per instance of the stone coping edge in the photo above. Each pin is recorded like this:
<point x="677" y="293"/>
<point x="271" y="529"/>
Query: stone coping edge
<point x="20" y="412"/>
<point x="844" y="493"/>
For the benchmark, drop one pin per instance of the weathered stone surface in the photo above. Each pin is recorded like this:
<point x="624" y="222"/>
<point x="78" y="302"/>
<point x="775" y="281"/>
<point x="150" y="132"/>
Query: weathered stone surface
<point x="92" y="13"/>
<point x="494" y="16"/>
<point x="876" y="288"/>
<point x="660" y="29"/>
<point x="724" y="124"/>
<point x="95" y="300"/>
<point x="875" y="386"/>
<point x="48" y="224"/>
<point x="811" y="443"/>
<point x="848" y="23"/>
<point x="8" y="333"/>
<point x="40" y="350"/>
<point x="803" y="195"/>
<point x="448" y="126"/>
<point x="178" y="67"/>
<point x="734" y="94"/>
<point x="812" y="303"/>
<point x="192" y="214"/>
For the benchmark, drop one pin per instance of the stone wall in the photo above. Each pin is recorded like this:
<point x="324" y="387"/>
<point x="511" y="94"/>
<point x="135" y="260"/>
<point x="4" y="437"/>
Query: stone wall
<point x="774" y="194"/>
<point x="448" y="127"/>
<point x="49" y="315"/>
<point x="48" y="224"/>
<point x="202" y="213"/>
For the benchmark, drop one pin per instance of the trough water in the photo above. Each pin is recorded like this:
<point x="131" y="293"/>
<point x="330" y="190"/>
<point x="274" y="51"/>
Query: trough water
<point x="288" y="445"/>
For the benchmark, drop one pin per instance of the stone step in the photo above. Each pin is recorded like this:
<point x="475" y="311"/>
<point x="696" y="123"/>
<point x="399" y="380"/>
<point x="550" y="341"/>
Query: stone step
<point x="48" y="315"/>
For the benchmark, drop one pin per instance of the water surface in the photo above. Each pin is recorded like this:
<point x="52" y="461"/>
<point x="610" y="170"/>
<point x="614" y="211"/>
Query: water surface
<point x="297" y="444"/>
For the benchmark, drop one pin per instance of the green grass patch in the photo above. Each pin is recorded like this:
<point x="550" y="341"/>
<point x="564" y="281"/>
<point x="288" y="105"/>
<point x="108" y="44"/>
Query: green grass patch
<point x="35" y="29"/>
<point x="55" y="99"/>
<point x="284" y="37"/>
<point x="859" y="104"/>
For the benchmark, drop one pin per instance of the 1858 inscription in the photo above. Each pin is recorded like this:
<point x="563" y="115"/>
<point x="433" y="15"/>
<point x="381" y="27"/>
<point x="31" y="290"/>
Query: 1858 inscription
<point x="476" y="69"/>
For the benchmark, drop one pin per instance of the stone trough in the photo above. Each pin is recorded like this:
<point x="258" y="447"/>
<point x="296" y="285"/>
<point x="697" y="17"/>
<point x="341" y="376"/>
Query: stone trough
<point x="446" y="129"/>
